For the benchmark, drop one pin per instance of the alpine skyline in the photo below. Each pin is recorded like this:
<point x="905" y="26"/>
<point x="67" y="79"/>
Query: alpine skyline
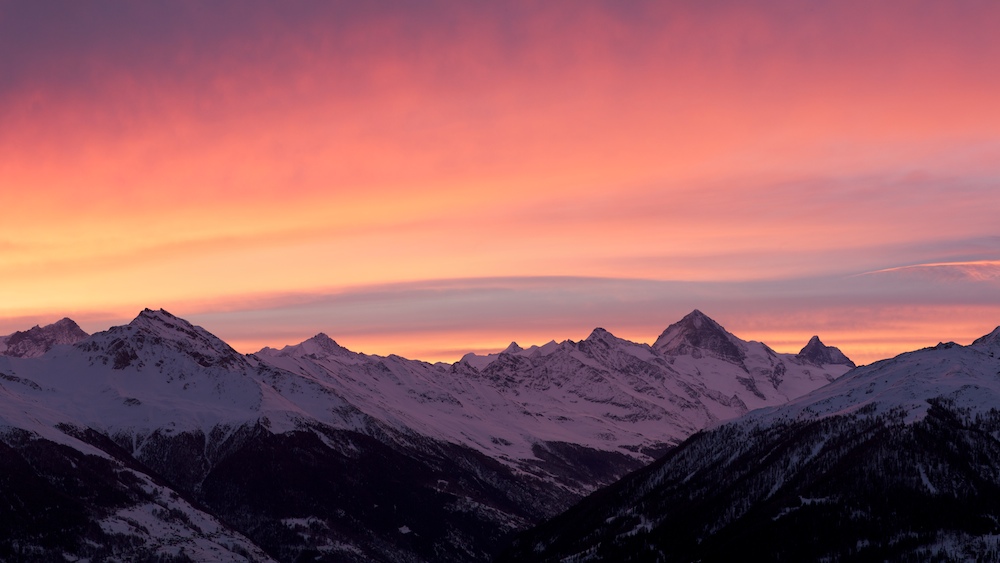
<point x="438" y="178"/>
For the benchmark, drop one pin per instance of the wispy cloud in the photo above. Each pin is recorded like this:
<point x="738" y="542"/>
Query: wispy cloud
<point x="987" y="271"/>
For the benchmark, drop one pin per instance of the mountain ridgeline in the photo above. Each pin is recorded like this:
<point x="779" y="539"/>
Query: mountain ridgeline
<point x="895" y="461"/>
<point x="157" y="441"/>
<point x="37" y="340"/>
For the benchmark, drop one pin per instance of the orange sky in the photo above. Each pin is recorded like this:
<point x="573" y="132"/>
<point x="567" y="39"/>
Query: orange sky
<point x="432" y="178"/>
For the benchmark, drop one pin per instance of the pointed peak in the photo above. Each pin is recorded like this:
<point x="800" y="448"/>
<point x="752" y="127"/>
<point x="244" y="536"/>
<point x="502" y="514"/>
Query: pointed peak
<point x="696" y="316"/>
<point x="698" y="320"/>
<point x="697" y="333"/>
<point x="319" y="346"/>
<point x="512" y="348"/>
<point x="154" y="334"/>
<point x="600" y="335"/>
<point x="816" y="352"/>
<point x="322" y="337"/>
<point x="65" y="322"/>
<point x="324" y="343"/>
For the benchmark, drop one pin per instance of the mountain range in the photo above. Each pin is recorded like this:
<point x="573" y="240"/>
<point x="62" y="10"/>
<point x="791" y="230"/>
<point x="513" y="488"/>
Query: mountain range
<point x="156" y="440"/>
<point x="895" y="461"/>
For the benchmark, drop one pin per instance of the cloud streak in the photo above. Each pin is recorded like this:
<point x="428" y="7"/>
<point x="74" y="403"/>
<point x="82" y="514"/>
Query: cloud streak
<point x="985" y="271"/>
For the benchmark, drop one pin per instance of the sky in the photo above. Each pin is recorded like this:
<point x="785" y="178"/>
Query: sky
<point x="433" y="178"/>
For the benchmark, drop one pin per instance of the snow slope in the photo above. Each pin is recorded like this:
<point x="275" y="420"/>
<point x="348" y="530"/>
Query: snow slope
<point x="966" y="375"/>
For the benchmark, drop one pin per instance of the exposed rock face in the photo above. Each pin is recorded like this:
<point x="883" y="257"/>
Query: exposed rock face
<point x="696" y="333"/>
<point x="815" y="352"/>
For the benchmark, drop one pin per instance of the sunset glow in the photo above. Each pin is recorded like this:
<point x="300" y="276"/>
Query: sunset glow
<point x="429" y="179"/>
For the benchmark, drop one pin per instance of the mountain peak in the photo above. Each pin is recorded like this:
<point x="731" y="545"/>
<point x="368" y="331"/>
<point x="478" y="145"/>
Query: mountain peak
<point x="599" y="334"/>
<point x="66" y="323"/>
<point x="37" y="340"/>
<point x="697" y="333"/>
<point x="323" y="337"/>
<point x="816" y="352"/>
<point x="513" y="348"/>
<point x="168" y="326"/>
<point x="321" y="344"/>
<point x="160" y="322"/>
<point x="696" y="314"/>
<point x="159" y="329"/>
<point x="148" y="317"/>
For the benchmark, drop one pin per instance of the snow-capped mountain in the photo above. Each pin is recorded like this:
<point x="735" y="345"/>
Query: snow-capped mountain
<point x="898" y="460"/>
<point x="314" y="451"/>
<point x="38" y="340"/>
<point x="275" y="462"/>
<point x="158" y="373"/>
<point x="606" y="400"/>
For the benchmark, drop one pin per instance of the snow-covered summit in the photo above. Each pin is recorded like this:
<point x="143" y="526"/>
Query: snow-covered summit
<point x="697" y="334"/>
<point x="513" y="348"/>
<point x="601" y="335"/>
<point x="318" y="346"/>
<point x="151" y="333"/>
<point x="162" y="324"/>
<point x="38" y="340"/>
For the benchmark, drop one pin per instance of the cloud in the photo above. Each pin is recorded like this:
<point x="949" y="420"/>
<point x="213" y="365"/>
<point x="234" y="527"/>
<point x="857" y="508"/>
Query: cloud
<point x="982" y="271"/>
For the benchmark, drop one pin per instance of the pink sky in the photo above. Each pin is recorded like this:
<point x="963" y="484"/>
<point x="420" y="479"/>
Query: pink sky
<point x="432" y="178"/>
